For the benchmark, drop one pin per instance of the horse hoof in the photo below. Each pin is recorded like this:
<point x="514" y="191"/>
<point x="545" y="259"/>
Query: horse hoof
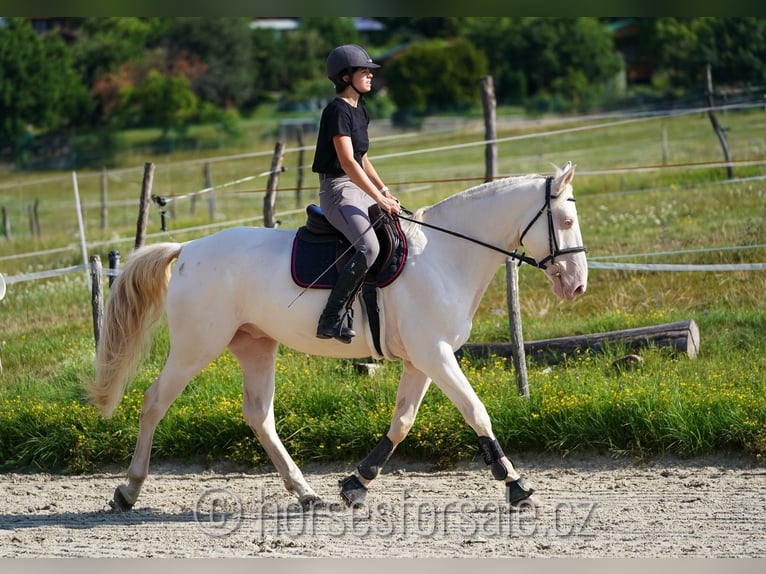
<point x="530" y="503"/>
<point x="311" y="502"/>
<point x="352" y="491"/>
<point x="120" y="503"/>
<point x="518" y="491"/>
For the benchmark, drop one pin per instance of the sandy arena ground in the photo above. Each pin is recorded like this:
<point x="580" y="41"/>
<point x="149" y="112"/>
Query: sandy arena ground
<point x="591" y="506"/>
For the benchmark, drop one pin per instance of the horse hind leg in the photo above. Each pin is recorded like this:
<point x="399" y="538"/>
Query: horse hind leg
<point x="257" y="356"/>
<point x="413" y="385"/>
<point x="175" y="375"/>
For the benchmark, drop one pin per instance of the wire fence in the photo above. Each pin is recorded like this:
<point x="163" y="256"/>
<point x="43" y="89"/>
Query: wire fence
<point x="398" y="156"/>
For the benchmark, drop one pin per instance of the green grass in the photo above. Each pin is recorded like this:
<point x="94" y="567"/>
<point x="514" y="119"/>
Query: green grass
<point x="326" y="411"/>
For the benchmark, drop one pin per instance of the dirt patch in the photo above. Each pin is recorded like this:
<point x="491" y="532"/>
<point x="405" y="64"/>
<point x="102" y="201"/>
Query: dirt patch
<point x="591" y="506"/>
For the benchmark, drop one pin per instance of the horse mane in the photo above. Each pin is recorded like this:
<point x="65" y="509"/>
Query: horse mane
<point x="413" y="230"/>
<point x="478" y="191"/>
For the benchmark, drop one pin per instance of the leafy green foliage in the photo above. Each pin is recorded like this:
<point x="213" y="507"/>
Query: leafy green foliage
<point x="334" y="31"/>
<point x="164" y="101"/>
<point x="435" y="76"/>
<point x="431" y="65"/>
<point x="106" y="43"/>
<point x="215" y="55"/>
<point x="734" y="47"/>
<point x="567" y="56"/>
<point x="39" y="85"/>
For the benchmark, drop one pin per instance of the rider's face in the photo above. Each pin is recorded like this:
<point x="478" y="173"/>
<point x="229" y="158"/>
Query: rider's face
<point x="362" y="79"/>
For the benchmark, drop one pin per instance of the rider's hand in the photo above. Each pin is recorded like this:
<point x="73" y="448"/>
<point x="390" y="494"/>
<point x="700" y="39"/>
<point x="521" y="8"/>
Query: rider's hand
<point x="389" y="204"/>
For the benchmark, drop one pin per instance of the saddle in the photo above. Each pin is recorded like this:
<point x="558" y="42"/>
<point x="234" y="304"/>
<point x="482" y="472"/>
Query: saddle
<point x="320" y="251"/>
<point x="317" y="245"/>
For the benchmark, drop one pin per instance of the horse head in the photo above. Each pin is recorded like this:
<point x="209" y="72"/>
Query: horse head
<point x="553" y="239"/>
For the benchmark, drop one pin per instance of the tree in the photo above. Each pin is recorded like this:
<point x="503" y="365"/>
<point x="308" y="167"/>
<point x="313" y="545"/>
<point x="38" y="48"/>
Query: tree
<point x="741" y="47"/>
<point x="498" y="37"/>
<point x="39" y="87"/>
<point x="424" y="27"/>
<point x="163" y="101"/>
<point x="105" y="43"/>
<point x="734" y="47"/>
<point x="302" y="55"/>
<point x="545" y="54"/>
<point x="553" y="46"/>
<point x="265" y="65"/>
<point x="332" y="30"/>
<point x="434" y="75"/>
<point x="105" y="51"/>
<point x="219" y="50"/>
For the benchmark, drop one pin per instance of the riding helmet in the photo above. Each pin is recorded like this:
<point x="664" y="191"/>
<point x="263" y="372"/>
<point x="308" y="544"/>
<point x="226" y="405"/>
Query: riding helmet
<point x="343" y="59"/>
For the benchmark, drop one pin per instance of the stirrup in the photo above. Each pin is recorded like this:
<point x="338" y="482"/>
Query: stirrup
<point x="337" y="331"/>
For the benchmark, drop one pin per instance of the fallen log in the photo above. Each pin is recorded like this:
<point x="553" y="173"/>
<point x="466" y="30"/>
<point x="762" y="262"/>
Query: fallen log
<point x="681" y="335"/>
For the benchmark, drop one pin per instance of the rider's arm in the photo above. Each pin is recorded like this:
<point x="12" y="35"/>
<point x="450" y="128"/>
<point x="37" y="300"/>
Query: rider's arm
<point x="370" y="182"/>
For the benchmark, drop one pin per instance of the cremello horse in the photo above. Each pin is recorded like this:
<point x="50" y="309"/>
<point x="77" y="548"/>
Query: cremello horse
<point x="234" y="290"/>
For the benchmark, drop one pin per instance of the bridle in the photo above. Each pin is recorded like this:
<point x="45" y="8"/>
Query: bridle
<point x="553" y="244"/>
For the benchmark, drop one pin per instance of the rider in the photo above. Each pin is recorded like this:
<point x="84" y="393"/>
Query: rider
<point x="348" y="182"/>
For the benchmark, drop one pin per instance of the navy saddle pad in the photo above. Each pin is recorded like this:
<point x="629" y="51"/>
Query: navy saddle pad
<point x="320" y="251"/>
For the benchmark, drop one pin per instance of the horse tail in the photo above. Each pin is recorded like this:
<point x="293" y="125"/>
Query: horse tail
<point x="135" y="304"/>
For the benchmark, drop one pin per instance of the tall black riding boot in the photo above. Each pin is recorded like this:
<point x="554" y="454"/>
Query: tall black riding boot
<point x="330" y="322"/>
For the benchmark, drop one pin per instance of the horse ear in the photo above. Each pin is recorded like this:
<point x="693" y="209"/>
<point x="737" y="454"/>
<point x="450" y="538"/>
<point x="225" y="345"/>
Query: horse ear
<point x="565" y="176"/>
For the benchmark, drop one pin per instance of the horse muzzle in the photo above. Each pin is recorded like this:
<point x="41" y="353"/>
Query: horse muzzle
<point x="568" y="280"/>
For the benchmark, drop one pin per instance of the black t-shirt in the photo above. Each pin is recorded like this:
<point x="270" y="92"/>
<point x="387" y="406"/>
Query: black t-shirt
<point x="340" y="118"/>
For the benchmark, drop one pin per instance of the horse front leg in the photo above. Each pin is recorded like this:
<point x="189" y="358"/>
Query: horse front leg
<point x="257" y="357"/>
<point x="413" y="385"/>
<point x="443" y="367"/>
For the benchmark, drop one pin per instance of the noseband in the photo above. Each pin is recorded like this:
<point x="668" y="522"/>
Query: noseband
<point x="553" y="244"/>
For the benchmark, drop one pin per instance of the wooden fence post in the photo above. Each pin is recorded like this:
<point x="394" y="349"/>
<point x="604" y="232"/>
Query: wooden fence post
<point x="514" y="318"/>
<point x="299" y="177"/>
<point x="80" y="222"/>
<point x="143" y="206"/>
<point x="6" y="224"/>
<point x="193" y="202"/>
<point x="104" y="208"/>
<point x="97" y="296"/>
<point x="269" y="201"/>
<point x="210" y="193"/>
<point x="31" y="220"/>
<point x="714" y="121"/>
<point x="490" y="127"/>
<point x="114" y="264"/>
<point x="34" y="218"/>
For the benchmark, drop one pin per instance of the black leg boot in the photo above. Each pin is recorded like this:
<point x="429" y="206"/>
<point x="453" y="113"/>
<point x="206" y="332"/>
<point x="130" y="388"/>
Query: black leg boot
<point x="330" y="323"/>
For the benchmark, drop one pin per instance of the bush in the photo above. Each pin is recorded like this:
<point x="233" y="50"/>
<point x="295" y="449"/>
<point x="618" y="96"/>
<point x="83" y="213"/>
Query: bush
<point x="435" y="75"/>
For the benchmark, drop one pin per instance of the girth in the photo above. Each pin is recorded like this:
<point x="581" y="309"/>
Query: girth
<point x="320" y="251"/>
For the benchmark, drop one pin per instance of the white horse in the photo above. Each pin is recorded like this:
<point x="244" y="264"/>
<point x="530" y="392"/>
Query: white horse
<point x="233" y="289"/>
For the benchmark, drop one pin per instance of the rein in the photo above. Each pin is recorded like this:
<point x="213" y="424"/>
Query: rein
<point x="520" y="258"/>
<point x="553" y="244"/>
